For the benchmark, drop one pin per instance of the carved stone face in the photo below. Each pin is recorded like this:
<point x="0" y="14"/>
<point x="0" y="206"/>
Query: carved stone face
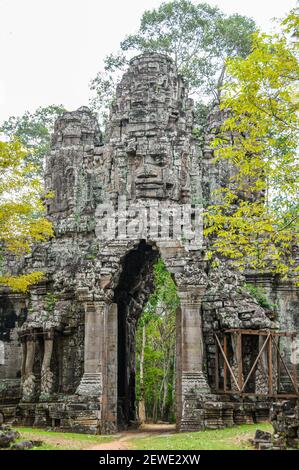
<point x="154" y="177"/>
<point x="149" y="132"/>
<point x="76" y="128"/>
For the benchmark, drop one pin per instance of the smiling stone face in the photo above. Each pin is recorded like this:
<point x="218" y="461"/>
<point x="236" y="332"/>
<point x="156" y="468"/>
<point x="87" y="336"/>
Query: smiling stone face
<point x="150" y="147"/>
<point x="154" y="177"/>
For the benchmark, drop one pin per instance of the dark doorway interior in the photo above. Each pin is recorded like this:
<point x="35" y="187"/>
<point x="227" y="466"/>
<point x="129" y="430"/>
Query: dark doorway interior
<point x="131" y="295"/>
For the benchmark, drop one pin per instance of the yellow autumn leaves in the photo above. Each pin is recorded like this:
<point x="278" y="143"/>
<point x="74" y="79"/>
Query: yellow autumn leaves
<point x="256" y="221"/>
<point x="22" y="220"/>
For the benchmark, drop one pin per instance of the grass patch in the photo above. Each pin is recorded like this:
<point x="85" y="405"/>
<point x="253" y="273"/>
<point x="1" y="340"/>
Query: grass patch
<point x="53" y="440"/>
<point x="235" y="438"/>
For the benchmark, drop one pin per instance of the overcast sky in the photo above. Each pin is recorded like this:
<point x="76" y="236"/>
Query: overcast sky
<point x="51" y="49"/>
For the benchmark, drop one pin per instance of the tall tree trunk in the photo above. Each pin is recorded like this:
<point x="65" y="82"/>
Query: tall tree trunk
<point x="142" y="397"/>
<point x="173" y="406"/>
<point x="165" y="385"/>
<point x="161" y="391"/>
<point x="155" y="408"/>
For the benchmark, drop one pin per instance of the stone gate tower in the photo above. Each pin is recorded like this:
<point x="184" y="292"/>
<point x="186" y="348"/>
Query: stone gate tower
<point x="73" y="342"/>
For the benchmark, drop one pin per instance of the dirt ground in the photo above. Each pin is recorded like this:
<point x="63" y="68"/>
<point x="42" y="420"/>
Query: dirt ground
<point x="146" y="430"/>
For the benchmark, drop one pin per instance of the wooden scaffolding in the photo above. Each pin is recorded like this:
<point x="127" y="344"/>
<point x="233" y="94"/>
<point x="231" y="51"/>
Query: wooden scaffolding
<point x="265" y="354"/>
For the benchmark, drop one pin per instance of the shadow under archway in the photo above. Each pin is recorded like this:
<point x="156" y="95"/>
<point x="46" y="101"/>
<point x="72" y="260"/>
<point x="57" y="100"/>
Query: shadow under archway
<point x="134" y="288"/>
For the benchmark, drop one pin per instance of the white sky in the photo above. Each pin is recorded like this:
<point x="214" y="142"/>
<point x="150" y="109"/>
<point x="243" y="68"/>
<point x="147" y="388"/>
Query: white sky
<point x="51" y="49"/>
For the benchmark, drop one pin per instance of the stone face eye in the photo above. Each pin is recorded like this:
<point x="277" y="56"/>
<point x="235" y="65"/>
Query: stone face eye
<point x="158" y="160"/>
<point x="137" y="162"/>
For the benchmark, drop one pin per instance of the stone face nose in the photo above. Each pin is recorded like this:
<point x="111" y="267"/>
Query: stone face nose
<point x="147" y="171"/>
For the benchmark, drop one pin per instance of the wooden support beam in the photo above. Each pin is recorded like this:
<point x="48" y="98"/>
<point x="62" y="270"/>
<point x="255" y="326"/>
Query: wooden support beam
<point x="270" y="366"/>
<point x="224" y="354"/>
<point x="255" y="362"/>
<point x="274" y="363"/>
<point x="216" y="368"/>
<point x="262" y="332"/>
<point x="248" y="332"/>
<point x="239" y="360"/>
<point x="252" y="394"/>
<point x="278" y="365"/>
<point x="225" y="365"/>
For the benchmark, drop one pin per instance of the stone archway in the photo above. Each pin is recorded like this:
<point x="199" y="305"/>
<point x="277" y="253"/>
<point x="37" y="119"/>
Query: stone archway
<point x="110" y="326"/>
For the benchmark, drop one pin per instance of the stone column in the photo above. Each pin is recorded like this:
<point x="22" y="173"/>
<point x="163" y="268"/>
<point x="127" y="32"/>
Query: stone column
<point x="29" y="385"/>
<point x="192" y="384"/>
<point x="109" y="372"/>
<point x="46" y="373"/>
<point x="23" y="365"/>
<point x="92" y="381"/>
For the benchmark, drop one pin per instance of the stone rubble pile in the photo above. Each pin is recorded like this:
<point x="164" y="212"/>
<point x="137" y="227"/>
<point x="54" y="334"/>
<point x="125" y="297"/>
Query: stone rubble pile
<point x="284" y="417"/>
<point x="9" y="437"/>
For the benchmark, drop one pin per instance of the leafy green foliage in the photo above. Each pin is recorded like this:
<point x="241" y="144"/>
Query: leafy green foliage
<point x="255" y="221"/>
<point x="197" y="36"/>
<point x="165" y="291"/>
<point x="50" y="302"/>
<point x="22" y="220"/>
<point x="259" y="294"/>
<point x="159" y="355"/>
<point x="33" y="130"/>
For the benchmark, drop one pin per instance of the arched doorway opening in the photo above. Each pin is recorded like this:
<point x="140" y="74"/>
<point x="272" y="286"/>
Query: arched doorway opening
<point x="136" y="300"/>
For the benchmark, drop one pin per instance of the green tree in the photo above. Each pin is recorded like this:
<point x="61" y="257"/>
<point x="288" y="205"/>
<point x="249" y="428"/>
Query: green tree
<point x="33" y="130"/>
<point x="155" y="341"/>
<point x="198" y="37"/>
<point x="22" y="220"/>
<point x="256" y="222"/>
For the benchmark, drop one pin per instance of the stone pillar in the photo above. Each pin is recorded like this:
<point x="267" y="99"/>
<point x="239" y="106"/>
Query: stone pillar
<point x="91" y="384"/>
<point x="23" y="365"/>
<point x="29" y="385"/>
<point x="46" y="373"/>
<point x="109" y="372"/>
<point x="192" y="383"/>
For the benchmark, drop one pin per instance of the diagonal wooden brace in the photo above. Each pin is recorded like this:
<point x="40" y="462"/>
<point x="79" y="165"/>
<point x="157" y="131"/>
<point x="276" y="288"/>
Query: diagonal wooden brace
<point x="227" y="363"/>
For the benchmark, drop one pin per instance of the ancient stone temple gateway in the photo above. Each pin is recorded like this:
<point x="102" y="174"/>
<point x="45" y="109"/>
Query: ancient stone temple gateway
<point x="67" y="350"/>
